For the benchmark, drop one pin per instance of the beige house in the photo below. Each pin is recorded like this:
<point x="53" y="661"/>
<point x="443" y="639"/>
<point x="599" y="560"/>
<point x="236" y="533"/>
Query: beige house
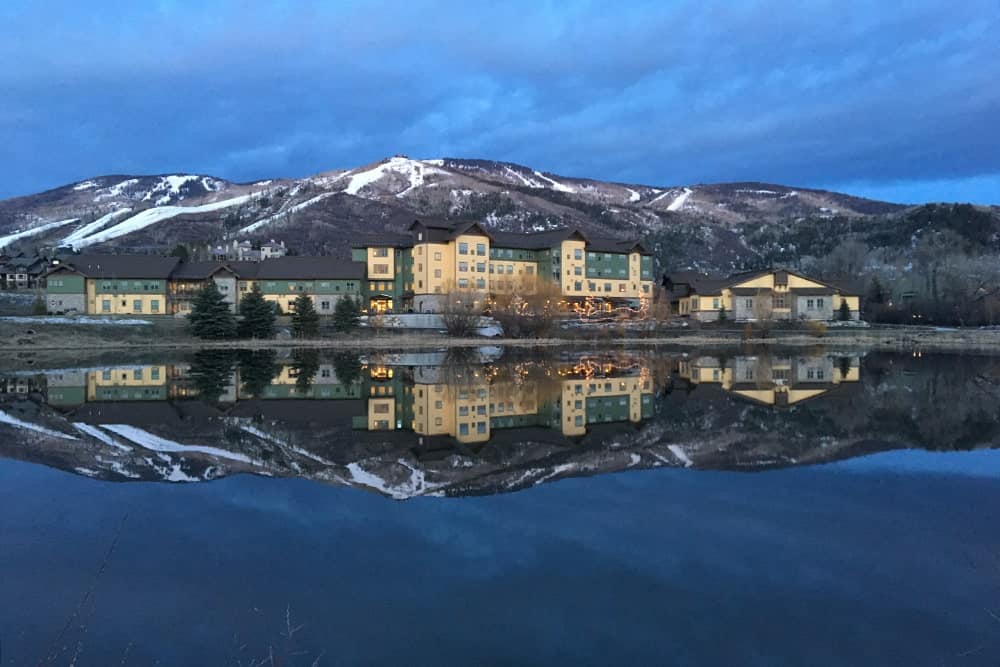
<point x="772" y="294"/>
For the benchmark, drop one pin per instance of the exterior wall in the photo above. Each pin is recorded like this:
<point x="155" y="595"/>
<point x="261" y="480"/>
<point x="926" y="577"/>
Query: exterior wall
<point x="324" y="293"/>
<point x="814" y="307"/>
<point x="112" y="297"/>
<point x="573" y="273"/>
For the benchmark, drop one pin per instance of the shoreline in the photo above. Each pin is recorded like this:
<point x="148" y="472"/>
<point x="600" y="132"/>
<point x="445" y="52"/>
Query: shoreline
<point x="71" y="339"/>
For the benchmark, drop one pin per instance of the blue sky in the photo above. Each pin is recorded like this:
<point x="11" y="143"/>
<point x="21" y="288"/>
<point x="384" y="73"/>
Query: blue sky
<point x="890" y="100"/>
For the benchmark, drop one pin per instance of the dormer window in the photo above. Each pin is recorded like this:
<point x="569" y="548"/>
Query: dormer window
<point x="420" y="236"/>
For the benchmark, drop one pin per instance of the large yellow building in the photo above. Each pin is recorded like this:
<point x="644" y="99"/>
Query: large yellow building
<point x="772" y="294"/>
<point x="419" y="271"/>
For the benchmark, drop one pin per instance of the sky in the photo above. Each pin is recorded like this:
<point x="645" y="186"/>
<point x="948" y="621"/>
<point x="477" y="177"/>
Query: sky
<point x="897" y="101"/>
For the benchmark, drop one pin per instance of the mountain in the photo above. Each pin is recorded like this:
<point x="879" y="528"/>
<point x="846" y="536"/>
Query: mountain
<point x="721" y="227"/>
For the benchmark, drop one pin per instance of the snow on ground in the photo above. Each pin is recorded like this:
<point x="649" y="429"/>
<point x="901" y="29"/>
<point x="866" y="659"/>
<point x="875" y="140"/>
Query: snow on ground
<point x="11" y="420"/>
<point x="94" y="226"/>
<point x="116" y="190"/>
<point x="530" y="182"/>
<point x="416" y="485"/>
<point x="263" y="222"/>
<point x="679" y="201"/>
<point x="556" y="185"/>
<point x="151" y="216"/>
<point x="633" y="196"/>
<point x="17" y="236"/>
<point x="169" y="186"/>
<point x="158" y="444"/>
<point x="85" y="185"/>
<point x="263" y="435"/>
<point x="681" y="455"/>
<point x="437" y="162"/>
<point x="24" y="319"/>
<point x="98" y="434"/>
<point x="412" y="169"/>
<point x="756" y="192"/>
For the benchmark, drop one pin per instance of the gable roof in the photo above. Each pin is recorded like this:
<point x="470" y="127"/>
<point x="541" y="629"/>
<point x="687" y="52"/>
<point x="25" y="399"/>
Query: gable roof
<point x="309" y="268"/>
<point x="120" y="266"/>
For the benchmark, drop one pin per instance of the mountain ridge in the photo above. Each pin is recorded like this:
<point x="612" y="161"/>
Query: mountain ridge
<point x="318" y="213"/>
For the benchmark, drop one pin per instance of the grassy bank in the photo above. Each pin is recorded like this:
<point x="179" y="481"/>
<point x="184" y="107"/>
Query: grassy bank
<point x="26" y="339"/>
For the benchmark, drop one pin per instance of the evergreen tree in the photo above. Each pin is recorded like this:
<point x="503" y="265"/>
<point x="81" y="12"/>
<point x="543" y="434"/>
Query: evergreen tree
<point x="346" y="314"/>
<point x="347" y="366"/>
<point x="845" y="311"/>
<point x="180" y="250"/>
<point x="210" y="316"/>
<point x="723" y="315"/>
<point x="39" y="308"/>
<point x="211" y="372"/>
<point x="257" y="369"/>
<point x="258" y="315"/>
<point x="305" y="365"/>
<point x="876" y="293"/>
<point x="305" y="319"/>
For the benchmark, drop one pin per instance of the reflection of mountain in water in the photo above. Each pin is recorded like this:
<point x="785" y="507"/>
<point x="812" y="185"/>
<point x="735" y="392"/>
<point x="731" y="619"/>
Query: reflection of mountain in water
<point x="426" y="424"/>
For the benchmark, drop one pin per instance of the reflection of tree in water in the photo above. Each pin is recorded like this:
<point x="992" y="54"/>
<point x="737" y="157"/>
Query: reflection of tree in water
<point x="347" y="366"/>
<point x="257" y="369"/>
<point x="211" y="371"/>
<point x="305" y="365"/>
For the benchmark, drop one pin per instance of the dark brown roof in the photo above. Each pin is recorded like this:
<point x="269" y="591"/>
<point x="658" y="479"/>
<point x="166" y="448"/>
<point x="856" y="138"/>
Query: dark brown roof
<point x="535" y="241"/>
<point x="122" y="266"/>
<point x="200" y="270"/>
<point x="309" y="268"/>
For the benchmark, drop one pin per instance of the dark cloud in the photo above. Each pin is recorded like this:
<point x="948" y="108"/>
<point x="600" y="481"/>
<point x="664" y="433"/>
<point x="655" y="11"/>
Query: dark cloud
<point x="829" y="93"/>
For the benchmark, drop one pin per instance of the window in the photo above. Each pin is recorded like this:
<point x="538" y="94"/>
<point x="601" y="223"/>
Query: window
<point x="530" y="270"/>
<point x="621" y="287"/>
<point x="578" y="421"/>
<point x="578" y="286"/>
<point x="137" y="374"/>
<point x="809" y="304"/>
<point x="463" y="248"/>
<point x="463" y="266"/>
<point x="154" y="374"/>
<point x="510" y="269"/>
<point x="481" y="427"/>
<point x="780" y="300"/>
<point x="438" y="405"/>
<point x="463" y="429"/>
<point x="578" y="270"/>
<point x="324" y="305"/>
<point x="645" y="288"/>
<point x="437" y="273"/>
<point x="480" y="267"/>
<point x="578" y="254"/>
<point x="437" y="257"/>
<point x="748" y="302"/>
<point x="694" y="303"/>
<point x="819" y="303"/>
<point x="463" y="282"/>
<point x="438" y="421"/>
<point x="106" y="375"/>
<point x="137" y="306"/>
<point x="481" y="410"/>
<point x="480" y="283"/>
<point x="715" y="304"/>
<point x="380" y="268"/>
<point x="154" y="306"/>
<point x="481" y="249"/>
<point x="819" y="374"/>
<point x="607" y="288"/>
<point x="500" y="268"/>
<point x="380" y="252"/>
<point x="420" y="236"/>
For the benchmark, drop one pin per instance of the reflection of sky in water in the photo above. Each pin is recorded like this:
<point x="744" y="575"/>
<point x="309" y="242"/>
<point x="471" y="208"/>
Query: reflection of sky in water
<point x="983" y="463"/>
<point x="803" y="566"/>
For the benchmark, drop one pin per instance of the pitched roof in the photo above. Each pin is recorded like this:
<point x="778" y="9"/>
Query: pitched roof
<point x="121" y="266"/>
<point x="309" y="268"/>
<point x="200" y="270"/>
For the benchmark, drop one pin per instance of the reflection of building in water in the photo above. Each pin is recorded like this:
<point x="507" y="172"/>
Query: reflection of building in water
<point x="770" y="379"/>
<point x="473" y="404"/>
<point x="467" y="403"/>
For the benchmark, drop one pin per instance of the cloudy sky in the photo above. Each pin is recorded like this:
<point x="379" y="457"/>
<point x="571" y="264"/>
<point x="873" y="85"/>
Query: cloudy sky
<point x="891" y="100"/>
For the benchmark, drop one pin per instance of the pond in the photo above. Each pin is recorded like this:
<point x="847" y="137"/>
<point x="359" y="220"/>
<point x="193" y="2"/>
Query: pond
<point x="490" y="506"/>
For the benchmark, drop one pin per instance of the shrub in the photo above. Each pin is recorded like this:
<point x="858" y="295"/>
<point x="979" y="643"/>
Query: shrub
<point x="816" y="328"/>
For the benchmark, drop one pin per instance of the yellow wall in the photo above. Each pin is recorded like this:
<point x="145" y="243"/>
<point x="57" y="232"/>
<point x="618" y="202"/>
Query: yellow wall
<point x="124" y="304"/>
<point x="387" y="263"/>
<point x="568" y="255"/>
<point x="145" y="376"/>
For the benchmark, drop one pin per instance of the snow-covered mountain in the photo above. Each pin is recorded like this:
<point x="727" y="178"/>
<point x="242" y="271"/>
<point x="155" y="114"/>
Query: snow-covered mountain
<point x="152" y="213"/>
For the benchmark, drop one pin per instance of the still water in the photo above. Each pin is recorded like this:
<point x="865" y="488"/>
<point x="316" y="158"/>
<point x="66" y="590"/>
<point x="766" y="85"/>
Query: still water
<point x="752" y="507"/>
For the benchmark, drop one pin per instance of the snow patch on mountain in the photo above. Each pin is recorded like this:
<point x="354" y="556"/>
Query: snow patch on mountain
<point x="34" y="231"/>
<point x="414" y="170"/>
<point x="94" y="226"/>
<point x="556" y="185"/>
<point x="170" y="186"/>
<point x="151" y="216"/>
<point x="157" y="444"/>
<point x="11" y="420"/>
<point x="85" y="185"/>
<point x="633" y="196"/>
<point x="680" y="200"/>
<point x="264" y="222"/>
<point x="116" y="190"/>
